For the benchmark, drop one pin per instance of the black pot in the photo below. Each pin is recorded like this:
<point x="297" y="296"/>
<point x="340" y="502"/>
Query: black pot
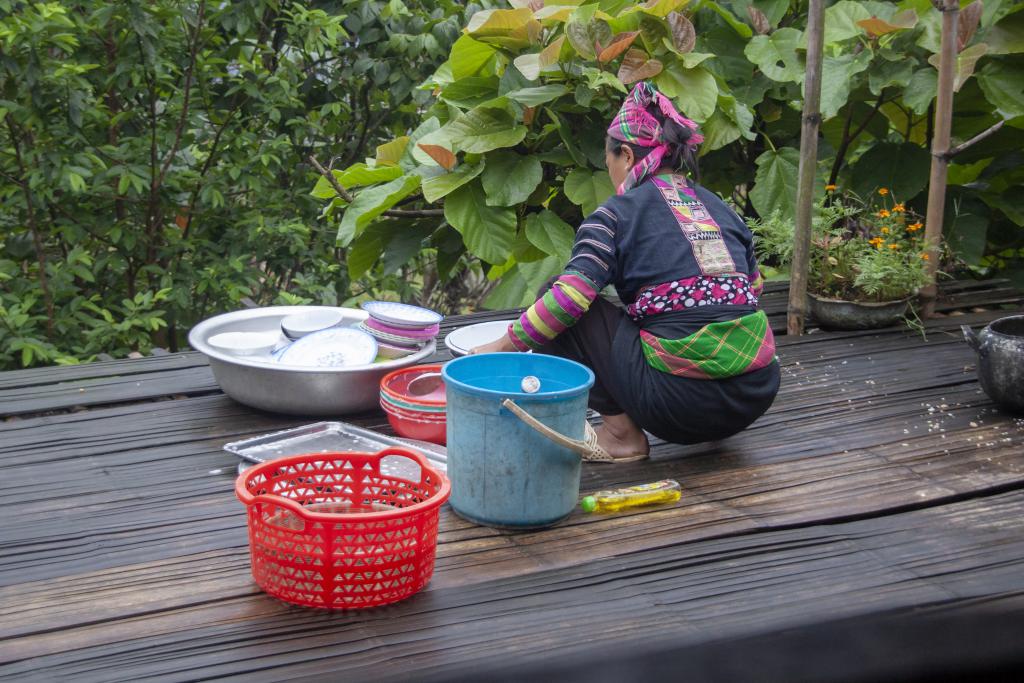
<point x="1000" y="349"/>
<point x="836" y="314"/>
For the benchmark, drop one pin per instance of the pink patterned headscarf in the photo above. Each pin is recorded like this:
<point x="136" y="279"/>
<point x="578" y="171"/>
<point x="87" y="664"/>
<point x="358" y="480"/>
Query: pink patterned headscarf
<point x="634" y="123"/>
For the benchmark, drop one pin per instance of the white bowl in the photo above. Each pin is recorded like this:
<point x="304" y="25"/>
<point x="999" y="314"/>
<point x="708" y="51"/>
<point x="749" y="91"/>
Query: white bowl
<point x="244" y="343"/>
<point x="300" y="324"/>
<point x="463" y="340"/>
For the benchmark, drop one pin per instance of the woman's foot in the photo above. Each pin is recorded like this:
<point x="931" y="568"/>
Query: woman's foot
<point x="621" y="437"/>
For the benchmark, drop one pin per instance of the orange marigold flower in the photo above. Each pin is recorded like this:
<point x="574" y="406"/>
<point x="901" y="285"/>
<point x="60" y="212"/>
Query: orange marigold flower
<point x="898" y="208"/>
<point x="885" y="231"/>
<point x="926" y="257"/>
<point x="914" y="227"/>
<point x="830" y="188"/>
<point x="884" y="213"/>
<point x="883" y="191"/>
<point x="894" y="246"/>
<point x="876" y="242"/>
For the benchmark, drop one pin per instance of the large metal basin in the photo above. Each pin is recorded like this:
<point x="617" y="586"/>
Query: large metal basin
<point x="291" y="389"/>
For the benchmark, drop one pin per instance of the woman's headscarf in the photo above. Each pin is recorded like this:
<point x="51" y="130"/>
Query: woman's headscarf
<point x="635" y="124"/>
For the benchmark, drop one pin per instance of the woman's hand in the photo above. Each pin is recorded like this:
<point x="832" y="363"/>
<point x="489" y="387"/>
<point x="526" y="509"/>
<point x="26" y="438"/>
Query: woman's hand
<point x="499" y="345"/>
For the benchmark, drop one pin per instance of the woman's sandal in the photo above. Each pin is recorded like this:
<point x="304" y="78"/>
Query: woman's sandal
<point x="596" y="453"/>
<point x="588" y="448"/>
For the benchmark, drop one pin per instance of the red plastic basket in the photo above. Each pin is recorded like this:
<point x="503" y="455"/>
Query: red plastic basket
<point x="318" y="538"/>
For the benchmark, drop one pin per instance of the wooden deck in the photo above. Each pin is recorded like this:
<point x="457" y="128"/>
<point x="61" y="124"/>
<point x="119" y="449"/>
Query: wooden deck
<point x="869" y="526"/>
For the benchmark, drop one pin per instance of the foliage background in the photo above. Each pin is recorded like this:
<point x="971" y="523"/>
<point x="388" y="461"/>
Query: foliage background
<point x="153" y="153"/>
<point x="152" y="158"/>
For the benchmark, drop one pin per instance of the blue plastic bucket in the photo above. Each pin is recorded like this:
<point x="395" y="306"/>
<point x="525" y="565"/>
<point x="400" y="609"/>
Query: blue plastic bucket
<point x="503" y="473"/>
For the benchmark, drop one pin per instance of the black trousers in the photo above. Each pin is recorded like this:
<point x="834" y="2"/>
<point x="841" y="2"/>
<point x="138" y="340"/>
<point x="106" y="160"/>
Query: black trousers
<point x="676" y="409"/>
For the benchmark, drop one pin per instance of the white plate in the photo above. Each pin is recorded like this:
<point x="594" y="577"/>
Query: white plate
<point x="464" y="339"/>
<point x="333" y="348"/>
<point x="401" y="315"/>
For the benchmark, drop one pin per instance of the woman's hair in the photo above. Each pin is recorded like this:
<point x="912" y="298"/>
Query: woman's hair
<point x="679" y="156"/>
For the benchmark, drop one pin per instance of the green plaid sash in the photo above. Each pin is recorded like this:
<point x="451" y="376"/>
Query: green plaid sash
<point x="715" y="351"/>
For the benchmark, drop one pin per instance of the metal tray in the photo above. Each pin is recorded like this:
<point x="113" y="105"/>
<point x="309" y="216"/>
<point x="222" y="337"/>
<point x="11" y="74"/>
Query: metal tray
<point x="326" y="437"/>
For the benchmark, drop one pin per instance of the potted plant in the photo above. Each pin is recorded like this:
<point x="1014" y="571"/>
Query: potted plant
<point x="867" y="258"/>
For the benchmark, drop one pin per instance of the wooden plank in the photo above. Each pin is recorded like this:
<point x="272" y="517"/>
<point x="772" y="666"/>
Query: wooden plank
<point x="838" y="444"/>
<point x="973" y="639"/>
<point x="107" y="390"/>
<point x="710" y="591"/>
<point x="21" y="379"/>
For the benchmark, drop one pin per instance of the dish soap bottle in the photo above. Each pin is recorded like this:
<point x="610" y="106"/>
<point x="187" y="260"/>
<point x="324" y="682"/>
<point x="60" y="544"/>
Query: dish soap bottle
<point x="613" y="500"/>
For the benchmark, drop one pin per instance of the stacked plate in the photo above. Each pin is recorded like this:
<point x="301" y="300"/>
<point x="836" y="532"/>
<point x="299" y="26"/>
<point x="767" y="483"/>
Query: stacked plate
<point x="400" y="329"/>
<point x="414" y="400"/>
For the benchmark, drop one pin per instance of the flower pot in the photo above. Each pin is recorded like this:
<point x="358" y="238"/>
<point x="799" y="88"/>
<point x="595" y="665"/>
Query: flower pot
<point x="836" y="314"/>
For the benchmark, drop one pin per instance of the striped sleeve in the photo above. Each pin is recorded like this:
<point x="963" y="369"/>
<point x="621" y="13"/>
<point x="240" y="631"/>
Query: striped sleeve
<point x="561" y="306"/>
<point x="591" y="267"/>
<point x="594" y="251"/>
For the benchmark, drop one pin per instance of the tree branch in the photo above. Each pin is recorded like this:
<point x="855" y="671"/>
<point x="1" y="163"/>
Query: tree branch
<point x="37" y="241"/>
<point x="847" y="141"/>
<point x="991" y="130"/>
<point x="193" y="49"/>
<point x="347" y="196"/>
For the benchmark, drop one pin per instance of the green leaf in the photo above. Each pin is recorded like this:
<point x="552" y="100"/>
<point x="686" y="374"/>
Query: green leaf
<point x="1007" y="36"/>
<point x="775" y="183"/>
<point x="921" y="90"/>
<point x="966" y="233"/>
<point x="356" y="175"/>
<point x="965" y="62"/>
<point x="442" y="185"/>
<point x="390" y="153"/>
<point x="409" y="159"/>
<point x="537" y="273"/>
<point x="902" y="168"/>
<point x="468" y="57"/>
<point x="1004" y="88"/>
<point x="509" y="28"/>
<point x="483" y="129"/>
<point x="731" y="121"/>
<point x="441" y="136"/>
<point x="487" y="231"/>
<point x="371" y="203"/>
<point x="694" y="91"/>
<point x="887" y="74"/>
<point x="510" y="178"/>
<point x="841" y="21"/>
<point x="550" y="234"/>
<point x="660" y="8"/>
<point x="588" y="189"/>
<point x="579" y="38"/>
<point x="962" y="174"/>
<point x="471" y="91"/>
<point x="742" y="29"/>
<point x="776" y="55"/>
<point x="693" y="59"/>
<point x="367" y="248"/>
<point x="837" y="80"/>
<point x="597" y="78"/>
<point x="531" y="97"/>
<point x="512" y="292"/>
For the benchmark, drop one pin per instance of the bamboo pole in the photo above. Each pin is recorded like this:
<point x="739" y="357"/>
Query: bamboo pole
<point x="810" y="122"/>
<point x="940" y="151"/>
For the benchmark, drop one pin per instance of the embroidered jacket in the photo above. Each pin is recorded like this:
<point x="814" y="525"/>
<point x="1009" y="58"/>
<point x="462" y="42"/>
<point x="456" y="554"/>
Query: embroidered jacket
<point x="666" y="246"/>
